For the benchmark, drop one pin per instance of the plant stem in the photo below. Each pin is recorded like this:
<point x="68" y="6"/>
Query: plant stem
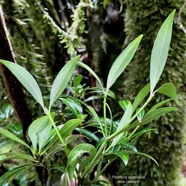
<point x="98" y="173"/>
<point x="137" y="113"/>
<point x="133" y="132"/>
<point x="96" y="157"/>
<point x="105" y="112"/>
<point x="58" y="134"/>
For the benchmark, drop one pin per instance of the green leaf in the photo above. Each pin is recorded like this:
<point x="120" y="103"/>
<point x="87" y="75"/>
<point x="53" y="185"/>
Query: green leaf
<point x="65" y="179"/>
<point x="16" y="156"/>
<point x="5" y="147"/>
<point x="160" y="51"/>
<point x="130" y="146"/>
<point x="16" y="128"/>
<point x="75" y="154"/>
<point x="69" y="126"/>
<point x="92" y="72"/>
<point x="155" y="114"/>
<point x="62" y="80"/>
<point x="141" y="132"/>
<point x="26" y="79"/>
<point x="140" y="115"/>
<point x="44" y="135"/>
<point x="169" y="90"/>
<point x="123" y="104"/>
<point x="142" y="154"/>
<point x="126" y="117"/>
<point x="64" y="131"/>
<point x="123" y="155"/>
<point x="159" y="105"/>
<point x="77" y="80"/>
<point x="124" y="144"/>
<point x="122" y="61"/>
<point x="93" y="112"/>
<point x="11" y="174"/>
<point x="141" y="96"/>
<point x="74" y="107"/>
<point x="124" y="120"/>
<point x="7" y="109"/>
<point x="150" y="116"/>
<point x="12" y="137"/>
<point x="88" y="134"/>
<point x="2" y="115"/>
<point x="35" y="128"/>
<point x="105" y="3"/>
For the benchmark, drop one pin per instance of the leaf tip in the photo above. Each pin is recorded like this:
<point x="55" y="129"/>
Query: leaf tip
<point x="139" y="38"/>
<point x="173" y="12"/>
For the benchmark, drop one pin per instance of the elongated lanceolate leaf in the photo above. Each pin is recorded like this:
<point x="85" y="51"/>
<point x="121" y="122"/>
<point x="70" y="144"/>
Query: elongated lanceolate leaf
<point x="150" y="116"/>
<point x="77" y="80"/>
<point x="88" y="134"/>
<point x="17" y="156"/>
<point x="62" y="80"/>
<point x="159" y="105"/>
<point x="124" y="156"/>
<point x="11" y="174"/>
<point x="126" y="117"/>
<point x="124" y="120"/>
<point x="44" y="135"/>
<point x="122" y="61"/>
<point x="26" y="79"/>
<point x="75" y="154"/>
<point x="93" y="112"/>
<point x="169" y="90"/>
<point x="142" y="154"/>
<point x="74" y="107"/>
<point x="69" y="126"/>
<point x="12" y="137"/>
<point x="35" y="128"/>
<point x="141" y="96"/>
<point x="91" y="71"/>
<point x="64" y="131"/>
<point x="160" y="51"/>
<point x="136" y="136"/>
<point x="155" y="114"/>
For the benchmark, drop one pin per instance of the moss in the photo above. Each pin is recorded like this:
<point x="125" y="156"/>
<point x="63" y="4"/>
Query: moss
<point x="166" y="145"/>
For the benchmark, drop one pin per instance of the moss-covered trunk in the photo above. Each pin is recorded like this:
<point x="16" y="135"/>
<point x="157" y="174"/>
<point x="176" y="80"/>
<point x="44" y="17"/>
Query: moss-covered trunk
<point x="13" y="87"/>
<point x="165" y="145"/>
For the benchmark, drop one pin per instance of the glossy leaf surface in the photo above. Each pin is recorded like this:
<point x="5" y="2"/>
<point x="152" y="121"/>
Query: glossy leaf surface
<point x="12" y="137"/>
<point x="75" y="154"/>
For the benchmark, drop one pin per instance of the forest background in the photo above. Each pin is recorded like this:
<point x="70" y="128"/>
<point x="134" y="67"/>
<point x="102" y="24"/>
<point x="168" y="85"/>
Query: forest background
<point x="45" y="34"/>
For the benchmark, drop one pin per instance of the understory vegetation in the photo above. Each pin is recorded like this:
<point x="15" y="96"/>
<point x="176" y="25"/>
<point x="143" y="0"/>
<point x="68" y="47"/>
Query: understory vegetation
<point x="86" y="99"/>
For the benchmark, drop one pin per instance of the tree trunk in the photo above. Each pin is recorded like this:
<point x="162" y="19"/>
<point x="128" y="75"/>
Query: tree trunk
<point x="165" y="145"/>
<point x="13" y="87"/>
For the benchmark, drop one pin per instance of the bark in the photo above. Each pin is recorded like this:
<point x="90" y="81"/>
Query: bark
<point x="166" y="144"/>
<point x="12" y="85"/>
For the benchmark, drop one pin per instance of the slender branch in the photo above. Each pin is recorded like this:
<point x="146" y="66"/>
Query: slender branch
<point x="59" y="135"/>
<point x="137" y="113"/>
<point x="94" y="162"/>
<point x="105" y="113"/>
<point x="179" y="17"/>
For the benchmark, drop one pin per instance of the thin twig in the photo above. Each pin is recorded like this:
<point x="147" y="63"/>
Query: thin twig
<point x="180" y="18"/>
